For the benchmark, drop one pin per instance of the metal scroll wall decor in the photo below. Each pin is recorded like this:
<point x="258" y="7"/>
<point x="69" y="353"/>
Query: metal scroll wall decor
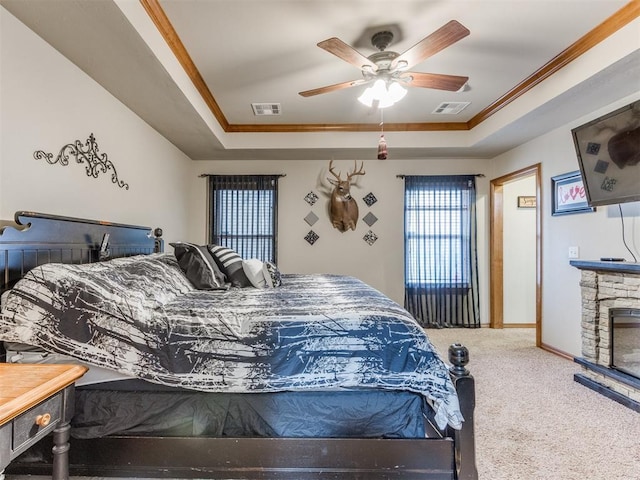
<point x="95" y="162"/>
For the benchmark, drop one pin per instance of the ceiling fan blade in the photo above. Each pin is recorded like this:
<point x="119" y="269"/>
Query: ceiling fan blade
<point x="438" y="81"/>
<point x="346" y="52"/>
<point x="333" y="88"/>
<point x="445" y="36"/>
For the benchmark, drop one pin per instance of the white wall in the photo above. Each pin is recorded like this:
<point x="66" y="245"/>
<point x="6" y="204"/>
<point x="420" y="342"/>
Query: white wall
<point x="519" y="254"/>
<point x="46" y="103"/>
<point x="382" y="264"/>
<point x="597" y="234"/>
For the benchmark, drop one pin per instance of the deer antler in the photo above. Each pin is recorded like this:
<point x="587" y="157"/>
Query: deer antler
<point x="334" y="173"/>
<point x="356" y="172"/>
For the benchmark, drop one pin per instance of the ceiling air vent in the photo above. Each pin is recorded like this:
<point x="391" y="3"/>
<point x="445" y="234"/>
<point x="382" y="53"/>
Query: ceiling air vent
<point x="451" y="107"/>
<point x="266" y="108"/>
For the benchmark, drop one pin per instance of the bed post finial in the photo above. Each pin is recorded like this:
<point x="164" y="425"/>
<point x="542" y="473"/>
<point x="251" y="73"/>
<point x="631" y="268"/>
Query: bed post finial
<point x="158" y="243"/>
<point x="464" y="439"/>
<point x="459" y="357"/>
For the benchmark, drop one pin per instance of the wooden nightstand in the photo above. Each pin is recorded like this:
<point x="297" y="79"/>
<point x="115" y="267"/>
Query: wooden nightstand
<point x="34" y="401"/>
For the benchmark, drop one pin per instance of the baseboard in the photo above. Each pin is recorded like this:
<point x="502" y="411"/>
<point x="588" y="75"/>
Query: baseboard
<point x="555" y="351"/>
<point x="510" y="325"/>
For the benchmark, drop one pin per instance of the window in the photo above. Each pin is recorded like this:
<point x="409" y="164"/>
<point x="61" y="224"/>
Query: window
<point x="243" y="214"/>
<point x="441" y="279"/>
<point x="437" y="236"/>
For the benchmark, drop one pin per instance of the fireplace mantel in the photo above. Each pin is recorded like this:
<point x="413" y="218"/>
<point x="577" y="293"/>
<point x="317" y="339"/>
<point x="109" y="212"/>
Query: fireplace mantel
<point x="622" y="267"/>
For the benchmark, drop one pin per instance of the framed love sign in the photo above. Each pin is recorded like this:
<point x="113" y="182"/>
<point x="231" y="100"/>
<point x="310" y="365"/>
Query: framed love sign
<point x="568" y="194"/>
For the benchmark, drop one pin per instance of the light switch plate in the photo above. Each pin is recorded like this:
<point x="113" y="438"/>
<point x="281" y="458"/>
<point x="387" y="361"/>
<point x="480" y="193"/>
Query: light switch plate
<point x="574" y="252"/>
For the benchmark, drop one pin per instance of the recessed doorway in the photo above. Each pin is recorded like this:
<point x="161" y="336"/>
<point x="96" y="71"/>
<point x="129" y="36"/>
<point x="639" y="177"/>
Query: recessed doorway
<point x="499" y="186"/>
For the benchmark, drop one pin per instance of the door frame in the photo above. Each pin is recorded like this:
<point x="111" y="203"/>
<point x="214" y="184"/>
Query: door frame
<point x="496" y="247"/>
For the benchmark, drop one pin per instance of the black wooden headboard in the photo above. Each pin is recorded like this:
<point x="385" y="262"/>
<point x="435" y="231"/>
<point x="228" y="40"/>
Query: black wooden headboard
<point x="40" y="238"/>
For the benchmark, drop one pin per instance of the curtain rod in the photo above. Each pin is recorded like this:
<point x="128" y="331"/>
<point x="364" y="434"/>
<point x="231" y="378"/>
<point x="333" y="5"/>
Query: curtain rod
<point x="402" y="175"/>
<point x="202" y="175"/>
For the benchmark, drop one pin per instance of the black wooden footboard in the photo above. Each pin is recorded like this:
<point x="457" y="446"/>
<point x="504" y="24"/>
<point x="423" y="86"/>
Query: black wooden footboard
<point x="265" y="458"/>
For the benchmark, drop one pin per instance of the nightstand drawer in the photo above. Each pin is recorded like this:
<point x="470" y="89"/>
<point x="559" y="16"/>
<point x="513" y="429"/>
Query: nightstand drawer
<point x="37" y="422"/>
<point x="35" y="400"/>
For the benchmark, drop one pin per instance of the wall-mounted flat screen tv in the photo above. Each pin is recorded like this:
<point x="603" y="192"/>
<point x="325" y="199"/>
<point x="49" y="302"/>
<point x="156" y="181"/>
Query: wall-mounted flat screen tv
<point x="608" y="151"/>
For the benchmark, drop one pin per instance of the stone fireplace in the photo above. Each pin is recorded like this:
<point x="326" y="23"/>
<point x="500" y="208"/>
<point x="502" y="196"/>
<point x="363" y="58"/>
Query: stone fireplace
<point x="610" y="297"/>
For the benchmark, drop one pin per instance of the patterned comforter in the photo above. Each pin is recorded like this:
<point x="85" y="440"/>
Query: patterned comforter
<point x="141" y="316"/>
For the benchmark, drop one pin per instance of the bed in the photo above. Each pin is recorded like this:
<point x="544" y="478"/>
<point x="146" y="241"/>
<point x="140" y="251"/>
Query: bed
<point x="321" y="377"/>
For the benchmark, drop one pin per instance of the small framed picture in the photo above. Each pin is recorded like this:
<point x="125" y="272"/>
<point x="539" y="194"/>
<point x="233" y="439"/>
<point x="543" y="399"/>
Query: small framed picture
<point x="526" y="202"/>
<point x="568" y="194"/>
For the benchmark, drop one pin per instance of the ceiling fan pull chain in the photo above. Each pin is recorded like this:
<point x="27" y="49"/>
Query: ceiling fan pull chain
<point x="382" y="144"/>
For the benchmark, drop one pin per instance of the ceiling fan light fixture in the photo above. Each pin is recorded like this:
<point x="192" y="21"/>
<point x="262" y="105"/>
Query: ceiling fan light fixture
<point x="397" y="92"/>
<point x="366" y="98"/>
<point x="380" y="94"/>
<point x="379" y="89"/>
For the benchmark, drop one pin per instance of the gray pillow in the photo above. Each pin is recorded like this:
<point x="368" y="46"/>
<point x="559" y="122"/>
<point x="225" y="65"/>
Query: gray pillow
<point x="198" y="266"/>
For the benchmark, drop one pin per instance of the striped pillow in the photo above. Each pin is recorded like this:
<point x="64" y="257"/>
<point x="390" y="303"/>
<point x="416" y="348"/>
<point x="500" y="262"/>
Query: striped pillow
<point x="198" y="266"/>
<point x="231" y="265"/>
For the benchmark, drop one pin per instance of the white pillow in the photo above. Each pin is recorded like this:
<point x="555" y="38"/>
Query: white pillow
<point x="271" y="274"/>
<point x="253" y="270"/>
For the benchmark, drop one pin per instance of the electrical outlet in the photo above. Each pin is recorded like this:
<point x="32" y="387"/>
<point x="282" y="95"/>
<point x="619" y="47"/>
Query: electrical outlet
<point x="574" y="252"/>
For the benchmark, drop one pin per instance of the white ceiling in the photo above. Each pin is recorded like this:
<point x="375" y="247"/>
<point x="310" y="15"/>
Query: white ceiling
<point x="265" y="51"/>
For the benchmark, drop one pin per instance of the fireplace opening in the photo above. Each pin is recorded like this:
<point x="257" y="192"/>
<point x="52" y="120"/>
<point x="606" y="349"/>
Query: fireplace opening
<point x="625" y="340"/>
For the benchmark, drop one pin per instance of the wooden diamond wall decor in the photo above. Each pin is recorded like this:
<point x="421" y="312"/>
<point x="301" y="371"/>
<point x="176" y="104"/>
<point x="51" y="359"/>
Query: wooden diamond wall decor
<point x="311" y="218"/>
<point x="311" y="198"/>
<point x="311" y="237"/>
<point x="370" y="237"/>
<point x="369" y="219"/>
<point x="369" y="199"/>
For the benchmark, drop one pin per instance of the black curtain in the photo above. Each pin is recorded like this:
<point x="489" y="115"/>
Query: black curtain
<point x="441" y="272"/>
<point x="243" y="214"/>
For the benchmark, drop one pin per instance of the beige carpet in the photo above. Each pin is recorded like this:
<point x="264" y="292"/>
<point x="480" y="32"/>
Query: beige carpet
<point x="533" y="422"/>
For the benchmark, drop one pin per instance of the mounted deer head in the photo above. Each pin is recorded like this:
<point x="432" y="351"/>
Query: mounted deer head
<point x="343" y="209"/>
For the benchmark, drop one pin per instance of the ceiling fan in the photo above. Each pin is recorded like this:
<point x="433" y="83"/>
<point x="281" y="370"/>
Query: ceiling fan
<point x="386" y="68"/>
